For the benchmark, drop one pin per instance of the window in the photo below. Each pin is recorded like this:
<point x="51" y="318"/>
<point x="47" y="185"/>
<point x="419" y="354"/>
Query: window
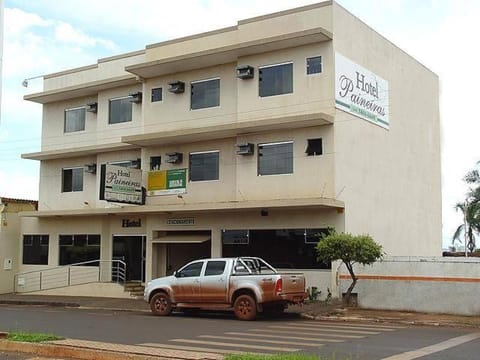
<point x="156" y="94"/>
<point x="231" y="237"/>
<point x="215" y="268"/>
<point x="155" y="162"/>
<point x="120" y="110"/>
<point x="79" y="248"/>
<point x="205" y="94"/>
<point x="72" y="179"/>
<point x="275" y="79"/>
<point x="204" y="166"/>
<point x="74" y="120"/>
<point x="314" y="147"/>
<point x="275" y="158"/>
<point x="35" y="250"/>
<point x="282" y="248"/>
<point x="314" y="65"/>
<point x="191" y="270"/>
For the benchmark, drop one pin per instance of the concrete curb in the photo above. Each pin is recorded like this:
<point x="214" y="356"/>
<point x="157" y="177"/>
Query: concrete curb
<point x="81" y="353"/>
<point x="66" y="351"/>
<point x="39" y="303"/>
<point x="377" y="320"/>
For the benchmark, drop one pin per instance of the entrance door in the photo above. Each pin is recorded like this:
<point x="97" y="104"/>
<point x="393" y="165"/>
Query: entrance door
<point x="131" y="250"/>
<point x="179" y="254"/>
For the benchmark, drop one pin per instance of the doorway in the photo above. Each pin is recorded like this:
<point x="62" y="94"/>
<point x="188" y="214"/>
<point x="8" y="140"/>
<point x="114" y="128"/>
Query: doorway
<point x="180" y="254"/>
<point x="131" y="250"/>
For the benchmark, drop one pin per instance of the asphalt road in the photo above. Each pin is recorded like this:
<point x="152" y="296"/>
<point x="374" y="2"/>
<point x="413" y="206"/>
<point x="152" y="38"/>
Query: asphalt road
<point x="221" y="332"/>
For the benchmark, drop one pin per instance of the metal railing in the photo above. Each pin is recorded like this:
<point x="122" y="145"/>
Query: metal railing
<point x="74" y="274"/>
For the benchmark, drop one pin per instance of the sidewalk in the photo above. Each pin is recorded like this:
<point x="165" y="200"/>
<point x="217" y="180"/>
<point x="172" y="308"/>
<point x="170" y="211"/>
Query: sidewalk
<point x="80" y="349"/>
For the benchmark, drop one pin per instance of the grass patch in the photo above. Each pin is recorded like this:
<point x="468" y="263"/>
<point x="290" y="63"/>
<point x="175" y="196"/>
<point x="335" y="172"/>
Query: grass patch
<point x="32" y="337"/>
<point x="280" y="357"/>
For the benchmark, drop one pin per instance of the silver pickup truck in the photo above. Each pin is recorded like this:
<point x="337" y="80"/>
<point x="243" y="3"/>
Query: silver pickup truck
<point x="248" y="285"/>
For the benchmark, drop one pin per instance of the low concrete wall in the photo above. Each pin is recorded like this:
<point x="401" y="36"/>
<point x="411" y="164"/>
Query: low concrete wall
<point x="95" y="289"/>
<point x="435" y="285"/>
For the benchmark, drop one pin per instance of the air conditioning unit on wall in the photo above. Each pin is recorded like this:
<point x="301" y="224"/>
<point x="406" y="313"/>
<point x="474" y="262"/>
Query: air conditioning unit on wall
<point x="174" y="158"/>
<point x="245" y="149"/>
<point x="176" y="87"/>
<point x="90" y="168"/>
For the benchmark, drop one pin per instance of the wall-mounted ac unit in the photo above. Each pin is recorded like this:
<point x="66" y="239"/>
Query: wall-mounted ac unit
<point x="136" y="97"/>
<point x="136" y="164"/>
<point x="92" y="107"/>
<point x="174" y="158"/>
<point x="245" y="72"/>
<point x="245" y="149"/>
<point x="176" y="87"/>
<point x="90" y="168"/>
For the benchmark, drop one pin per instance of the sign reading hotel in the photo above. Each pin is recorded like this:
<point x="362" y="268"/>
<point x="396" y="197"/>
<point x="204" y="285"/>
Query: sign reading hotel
<point x="167" y="182"/>
<point x="360" y="92"/>
<point x="123" y="184"/>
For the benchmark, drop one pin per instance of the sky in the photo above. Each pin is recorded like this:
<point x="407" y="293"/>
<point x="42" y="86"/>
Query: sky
<point x="46" y="36"/>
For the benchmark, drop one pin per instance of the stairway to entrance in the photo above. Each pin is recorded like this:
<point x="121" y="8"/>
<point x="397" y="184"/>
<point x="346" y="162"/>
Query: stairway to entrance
<point x="135" y="288"/>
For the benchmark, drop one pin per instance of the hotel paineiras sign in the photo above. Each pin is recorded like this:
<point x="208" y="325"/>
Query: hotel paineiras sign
<point x="360" y="92"/>
<point x="123" y="184"/>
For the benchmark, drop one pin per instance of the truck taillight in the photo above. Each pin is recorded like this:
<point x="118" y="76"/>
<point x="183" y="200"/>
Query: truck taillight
<point x="278" y="286"/>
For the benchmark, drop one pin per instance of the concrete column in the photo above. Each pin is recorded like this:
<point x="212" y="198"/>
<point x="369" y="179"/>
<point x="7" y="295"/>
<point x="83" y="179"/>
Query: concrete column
<point x="216" y="242"/>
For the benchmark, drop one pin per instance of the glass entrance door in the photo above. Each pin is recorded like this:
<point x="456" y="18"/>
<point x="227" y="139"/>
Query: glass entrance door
<point x="131" y="250"/>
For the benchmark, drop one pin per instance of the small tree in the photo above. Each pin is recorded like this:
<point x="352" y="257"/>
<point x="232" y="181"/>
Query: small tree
<point x="350" y="249"/>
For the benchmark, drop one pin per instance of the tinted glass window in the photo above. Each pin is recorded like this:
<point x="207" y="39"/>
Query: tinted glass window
<point x="276" y="158"/>
<point x="205" y="94"/>
<point x="191" y="270"/>
<point x="282" y="248"/>
<point x="314" y="65"/>
<point x="215" y="268"/>
<point x="35" y="250"/>
<point x="276" y="80"/>
<point x="79" y="248"/>
<point x="72" y="180"/>
<point x="74" y="120"/>
<point x="204" y="166"/>
<point x="120" y="110"/>
<point x="156" y="94"/>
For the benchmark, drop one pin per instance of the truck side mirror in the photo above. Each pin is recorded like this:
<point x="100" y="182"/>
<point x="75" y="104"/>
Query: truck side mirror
<point x="175" y="273"/>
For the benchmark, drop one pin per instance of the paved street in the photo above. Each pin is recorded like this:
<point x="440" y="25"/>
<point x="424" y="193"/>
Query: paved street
<point x="221" y="333"/>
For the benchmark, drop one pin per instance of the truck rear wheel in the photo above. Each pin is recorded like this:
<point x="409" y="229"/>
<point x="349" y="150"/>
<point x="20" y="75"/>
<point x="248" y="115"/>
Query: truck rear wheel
<point x="245" y="307"/>
<point x="160" y="304"/>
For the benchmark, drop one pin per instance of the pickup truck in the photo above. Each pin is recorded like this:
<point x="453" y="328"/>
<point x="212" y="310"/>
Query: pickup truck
<point x="248" y="285"/>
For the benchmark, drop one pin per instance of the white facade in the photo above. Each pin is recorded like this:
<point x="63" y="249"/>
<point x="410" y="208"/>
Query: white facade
<point x="363" y="177"/>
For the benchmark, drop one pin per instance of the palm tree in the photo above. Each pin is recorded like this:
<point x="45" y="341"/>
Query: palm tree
<point x="471" y="223"/>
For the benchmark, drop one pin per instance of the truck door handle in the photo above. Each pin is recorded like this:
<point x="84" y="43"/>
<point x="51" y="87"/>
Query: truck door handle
<point x="267" y="279"/>
<point x="221" y="280"/>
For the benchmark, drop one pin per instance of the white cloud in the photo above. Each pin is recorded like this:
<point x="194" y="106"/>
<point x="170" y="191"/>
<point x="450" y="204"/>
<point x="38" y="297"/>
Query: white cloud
<point x="18" y="184"/>
<point x="65" y="33"/>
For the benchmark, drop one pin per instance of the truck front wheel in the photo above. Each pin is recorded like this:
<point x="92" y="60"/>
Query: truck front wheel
<point x="245" y="307"/>
<point x="160" y="304"/>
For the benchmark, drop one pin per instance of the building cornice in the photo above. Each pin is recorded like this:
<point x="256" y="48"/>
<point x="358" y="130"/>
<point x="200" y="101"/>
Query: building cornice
<point x="228" y="130"/>
<point x="85" y="89"/>
<point x="227" y="53"/>
<point x="78" y="151"/>
<point x="186" y="208"/>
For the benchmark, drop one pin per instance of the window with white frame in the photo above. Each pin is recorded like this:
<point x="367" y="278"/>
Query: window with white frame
<point x="74" y="120"/>
<point x="119" y="110"/>
<point x="204" y="165"/>
<point x="275" y="158"/>
<point x="72" y="179"/>
<point x="275" y="79"/>
<point x="205" y="94"/>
